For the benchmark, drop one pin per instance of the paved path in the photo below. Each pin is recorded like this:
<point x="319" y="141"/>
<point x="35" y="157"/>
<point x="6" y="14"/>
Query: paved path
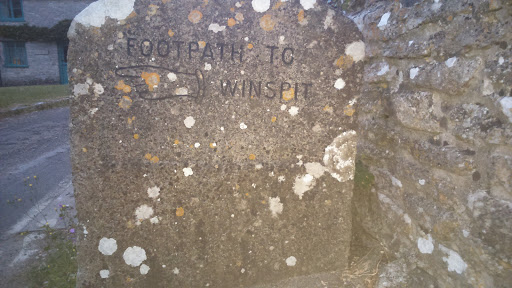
<point x="34" y="144"/>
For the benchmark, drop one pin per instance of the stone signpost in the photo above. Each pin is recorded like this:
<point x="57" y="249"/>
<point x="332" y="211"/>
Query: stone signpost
<point x="213" y="141"/>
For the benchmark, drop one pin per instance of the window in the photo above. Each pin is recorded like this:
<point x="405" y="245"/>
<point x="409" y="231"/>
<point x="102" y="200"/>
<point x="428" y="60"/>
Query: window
<point x="11" y="10"/>
<point x="15" y="54"/>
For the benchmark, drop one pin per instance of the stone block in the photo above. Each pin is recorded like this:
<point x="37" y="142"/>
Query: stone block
<point x="213" y="142"/>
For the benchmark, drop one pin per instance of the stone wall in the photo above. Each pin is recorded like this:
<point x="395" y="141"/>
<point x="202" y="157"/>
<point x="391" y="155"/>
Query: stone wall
<point x="434" y="177"/>
<point x="43" y="66"/>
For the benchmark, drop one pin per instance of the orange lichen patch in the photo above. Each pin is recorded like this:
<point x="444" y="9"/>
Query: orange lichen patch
<point x="301" y="15"/>
<point x="180" y="211"/>
<point x="250" y="46"/>
<point x="176" y="142"/>
<point x="345" y="61"/>
<point x="328" y="108"/>
<point x="136" y="136"/>
<point x="152" y="8"/>
<point x="84" y="149"/>
<point x="274" y="119"/>
<point x="154" y="159"/>
<point x="278" y="4"/>
<point x="170" y="33"/>
<point x="263" y="202"/>
<point x="132" y="15"/>
<point x="130" y="225"/>
<point x="237" y="186"/>
<point x="213" y="145"/>
<point x="152" y="80"/>
<point x="442" y="197"/>
<point x="205" y="2"/>
<point x="266" y="22"/>
<point x="195" y="16"/>
<point x="349" y="110"/>
<point x="449" y="18"/>
<point x="201" y="44"/>
<point x="289" y="94"/>
<point x="239" y="17"/>
<point x="166" y="1"/>
<point x="125" y="102"/>
<point x="231" y="22"/>
<point x="148" y="156"/>
<point x="121" y="86"/>
<point x="232" y="9"/>
<point x="130" y="120"/>
<point x="252" y="157"/>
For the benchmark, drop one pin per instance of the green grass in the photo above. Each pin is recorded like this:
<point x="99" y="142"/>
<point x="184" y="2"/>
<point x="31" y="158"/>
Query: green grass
<point x="59" y="268"/>
<point x="24" y="95"/>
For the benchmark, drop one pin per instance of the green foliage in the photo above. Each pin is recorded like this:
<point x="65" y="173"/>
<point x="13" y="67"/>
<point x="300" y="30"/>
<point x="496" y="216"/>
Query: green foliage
<point x="33" y="33"/>
<point x="363" y="178"/>
<point x="59" y="269"/>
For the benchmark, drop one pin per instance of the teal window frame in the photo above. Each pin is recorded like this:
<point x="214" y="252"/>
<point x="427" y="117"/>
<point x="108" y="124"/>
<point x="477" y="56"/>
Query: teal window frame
<point x="11" y="12"/>
<point x="15" y="54"/>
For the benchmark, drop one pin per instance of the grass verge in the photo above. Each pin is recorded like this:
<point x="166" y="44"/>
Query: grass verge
<point x="24" y="95"/>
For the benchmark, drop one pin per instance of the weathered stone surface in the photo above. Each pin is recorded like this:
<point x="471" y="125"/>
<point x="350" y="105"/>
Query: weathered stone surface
<point x="213" y="141"/>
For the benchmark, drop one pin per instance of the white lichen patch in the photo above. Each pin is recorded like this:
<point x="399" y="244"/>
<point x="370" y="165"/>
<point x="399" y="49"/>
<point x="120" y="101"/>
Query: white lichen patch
<point x="104" y="274"/>
<point x="98" y="89"/>
<point x="187" y="171"/>
<point x="243" y="126"/>
<point x="134" y="256"/>
<point x="93" y="111"/>
<point x="96" y="13"/>
<point x="315" y="169"/>
<point x="281" y="179"/>
<point x="396" y="182"/>
<point x="172" y="77"/>
<point x="283" y="107"/>
<point x="384" y="20"/>
<point x="291" y="261"/>
<point x="422" y="182"/>
<point x="197" y="145"/>
<point x="339" y="156"/>
<point x="426" y="245"/>
<point x="176" y="271"/>
<point x="450" y="62"/>
<point x="144" y="269"/>
<point x="207" y="66"/>
<point x="506" y="107"/>
<point x="260" y="5"/>
<point x="181" y="91"/>
<point x="454" y="261"/>
<point x="303" y="183"/>
<point x="275" y="206"/>
<point x="189" y="122"/>
<point x="328" y="22"/>
<point x="107" y="246"/>
<point x="215" y="28"/>
<point x="356" y="50"/>
<point x="154" y="220"/>
<point x="80" y="89"/>
<point x="384" y="68"/>
<point x="414" y="72"/>
<point x="339" y="84"/>
<point x="294" y="110"/>
<point x="307" y="4"/>
<point x="143" y="212"/>
<point x="153" y="192"/>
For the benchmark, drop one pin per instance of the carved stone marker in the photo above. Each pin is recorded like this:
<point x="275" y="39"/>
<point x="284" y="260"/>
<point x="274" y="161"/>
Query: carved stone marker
<point x="213" y="141"/>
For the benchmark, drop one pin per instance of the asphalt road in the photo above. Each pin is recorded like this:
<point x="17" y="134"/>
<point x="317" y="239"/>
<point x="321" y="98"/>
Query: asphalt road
<point x="34" y="144"/>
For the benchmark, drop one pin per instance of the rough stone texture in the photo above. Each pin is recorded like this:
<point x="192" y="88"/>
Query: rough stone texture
<point x="436" y="142"/>
<point x="202" y="185"/>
